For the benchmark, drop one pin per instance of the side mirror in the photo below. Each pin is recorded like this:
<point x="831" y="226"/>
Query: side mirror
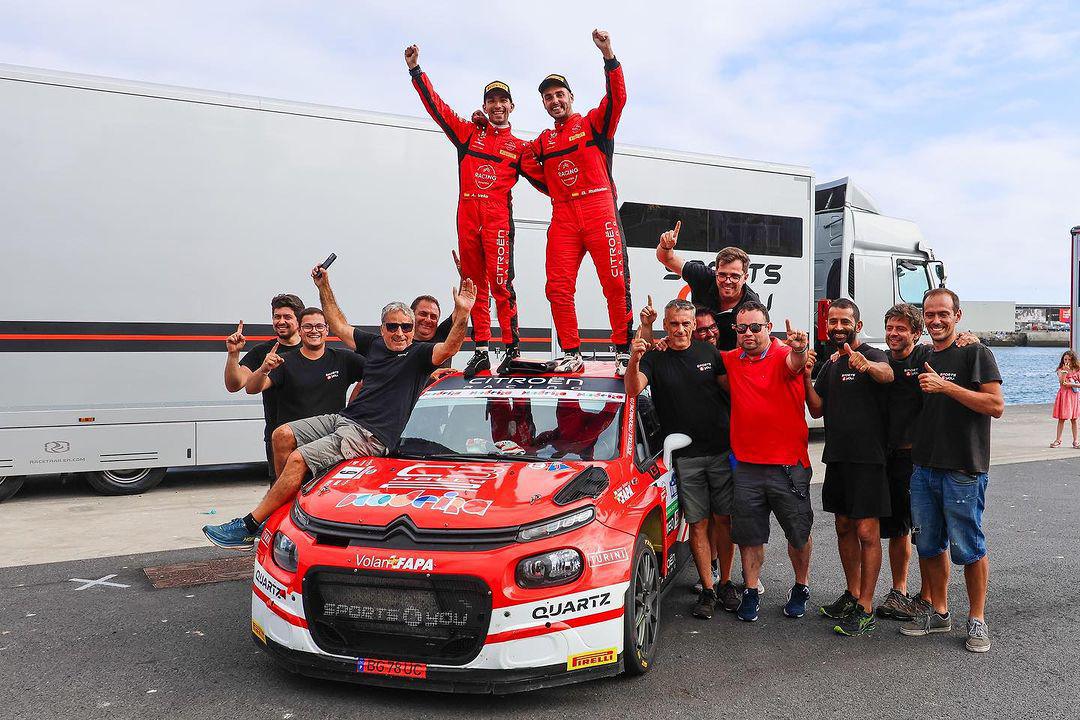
<point x="937" y="272"/>
<point x="673" y="442"/>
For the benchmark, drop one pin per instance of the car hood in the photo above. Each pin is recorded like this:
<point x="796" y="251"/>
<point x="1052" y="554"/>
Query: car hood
<point x="439" y="495"/>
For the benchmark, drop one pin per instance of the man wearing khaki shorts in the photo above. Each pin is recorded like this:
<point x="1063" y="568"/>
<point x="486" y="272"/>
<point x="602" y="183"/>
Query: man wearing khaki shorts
<point x="395" y="373"/>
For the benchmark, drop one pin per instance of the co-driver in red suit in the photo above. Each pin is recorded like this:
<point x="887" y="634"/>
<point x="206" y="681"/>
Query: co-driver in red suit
<point x="489" y="163"/>
<point x="577" y="156"/>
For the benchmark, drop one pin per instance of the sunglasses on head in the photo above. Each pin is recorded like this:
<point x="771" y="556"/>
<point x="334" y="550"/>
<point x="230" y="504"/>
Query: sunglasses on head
<point x="752" y="327"/>
<point x="393" y="327"/>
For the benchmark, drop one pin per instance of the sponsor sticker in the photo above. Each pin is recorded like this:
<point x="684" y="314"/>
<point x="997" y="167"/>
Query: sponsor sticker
<point x="394" y="562"/>
<point x="449" y="503"/>
<point x="268" y="585"/>
<point x="671" y="561"/>
<point x="507" y="153"/>
<point x="608" y="557"/>
<point x="624" y="492"/>
<point x="567" y="172"/>
<point x="576" y="136"/>
<point x="259" y="632"/>
<point x="395" y="668"/>
<point x="582" y="395"/>
<point x="558" y="608"/>
<point x="592" y="658"/>
<point x="485" y="177"/>
<point x="550" y="467"/>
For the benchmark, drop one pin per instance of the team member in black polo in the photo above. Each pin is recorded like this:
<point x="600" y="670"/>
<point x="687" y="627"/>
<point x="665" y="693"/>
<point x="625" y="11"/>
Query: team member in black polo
<point x="688" y="400"/>
<point x="851" y="393"/>
<point x="285" y="311"/>
<point x="307" y="383"/>
<point x="721" y="289"/>
<point x="951" y="456"/>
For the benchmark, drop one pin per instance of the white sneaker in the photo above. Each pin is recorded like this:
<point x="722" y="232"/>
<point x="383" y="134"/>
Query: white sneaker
<point x="622" y="361"/>
<point x="569" y="363"/>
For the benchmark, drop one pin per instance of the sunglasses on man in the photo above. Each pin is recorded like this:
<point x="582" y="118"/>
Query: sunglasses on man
<point x="394" y="327"/>
<point x="752" y="327"/>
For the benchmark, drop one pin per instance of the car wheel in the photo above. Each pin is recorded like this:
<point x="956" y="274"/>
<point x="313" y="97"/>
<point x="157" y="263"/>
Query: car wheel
<point x="641" y="616"/>
<point x="124" y="482"/>
<point x="9" y="485"/>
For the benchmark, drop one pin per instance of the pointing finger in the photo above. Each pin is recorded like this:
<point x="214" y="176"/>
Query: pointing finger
<point x="649" y="304"/>
<point x="678" y="226"/>
<point x="240" y="328"/>
<point x="787" y="326"/>
<point x="273" y="350"/>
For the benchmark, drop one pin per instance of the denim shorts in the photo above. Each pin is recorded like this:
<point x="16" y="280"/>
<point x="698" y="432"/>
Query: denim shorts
<point x="946" y="513"/>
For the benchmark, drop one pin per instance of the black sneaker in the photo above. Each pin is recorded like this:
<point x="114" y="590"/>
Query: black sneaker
<point x="730" y="597"/>
<point x="703" y="608"/>
<point x="844" y="606"/>
<point x="479" y="361"/>
<point x="857" y="623"/>
<point x="512" y="353"/>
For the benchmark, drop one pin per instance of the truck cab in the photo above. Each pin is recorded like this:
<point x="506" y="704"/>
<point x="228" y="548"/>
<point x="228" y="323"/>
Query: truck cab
<point x="873" y="259"/>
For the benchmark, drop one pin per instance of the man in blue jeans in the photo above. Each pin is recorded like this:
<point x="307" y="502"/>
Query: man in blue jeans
<point x="951" y="456"/>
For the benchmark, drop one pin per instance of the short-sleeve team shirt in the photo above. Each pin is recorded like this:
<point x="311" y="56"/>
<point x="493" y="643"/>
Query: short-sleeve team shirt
<point x="905" y="396"/>
<point x="768" y="419"/>
<point x="856" y="418"/>
<point x="253" y="360"/>
<point x="703" y="291"/>
<point x="306" y="387"/>
<point x="687" y="397"/>
<point x="949" y="436"/>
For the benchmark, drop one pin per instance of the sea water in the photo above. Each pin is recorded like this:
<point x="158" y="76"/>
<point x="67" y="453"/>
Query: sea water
<point x="1028" y="373"/>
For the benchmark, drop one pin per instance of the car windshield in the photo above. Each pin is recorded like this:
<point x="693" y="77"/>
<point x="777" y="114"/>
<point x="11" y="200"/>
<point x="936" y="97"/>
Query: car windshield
<point x="518" y="425"/>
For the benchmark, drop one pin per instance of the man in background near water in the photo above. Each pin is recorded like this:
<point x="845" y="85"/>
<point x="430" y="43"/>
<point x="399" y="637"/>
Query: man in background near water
<point x="285" y="310"/>
<point x="951" y="456"/>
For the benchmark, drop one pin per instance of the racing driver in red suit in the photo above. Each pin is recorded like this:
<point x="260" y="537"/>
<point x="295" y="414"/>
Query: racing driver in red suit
<point x="576" y="156"/>
<point x="489" y="163"/>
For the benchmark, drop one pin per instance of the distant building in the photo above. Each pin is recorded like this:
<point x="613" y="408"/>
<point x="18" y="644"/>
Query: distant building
<point x="1031" y="317"/>
<point x="988" y="316"/>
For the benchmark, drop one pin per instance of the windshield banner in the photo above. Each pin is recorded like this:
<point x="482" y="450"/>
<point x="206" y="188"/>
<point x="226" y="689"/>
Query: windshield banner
<point x="490" y="392"/>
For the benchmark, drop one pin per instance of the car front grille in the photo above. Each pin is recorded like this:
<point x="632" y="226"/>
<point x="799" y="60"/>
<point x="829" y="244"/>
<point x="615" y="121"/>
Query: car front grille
<point x="417" y="617"/>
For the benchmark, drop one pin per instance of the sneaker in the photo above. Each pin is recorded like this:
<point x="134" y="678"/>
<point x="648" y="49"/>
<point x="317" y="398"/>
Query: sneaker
<point x="897" y="606"/>
<point x="760" y="587"/>
<point x="569" y="363"/>
<point x="844" y="606"/>
<point x="932" y="622"/>
<point x="703" y="608"/>
<point x="978" y="639"/>
<point x="622" y="361"/>
<point x="796" y="601"/>
<point x="730" y="599"/>
<point x="698" y="587"/>
<point x="512" y="353"/>
<point x="857" y="623"/>
<point x="233" y="535"/>
<point x="748" y="608"/>
<point x="922" y="606"/>
<point x="479" y="361"/>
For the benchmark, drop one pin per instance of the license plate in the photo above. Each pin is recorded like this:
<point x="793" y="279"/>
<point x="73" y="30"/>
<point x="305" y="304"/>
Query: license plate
<point x="396" y="668"/>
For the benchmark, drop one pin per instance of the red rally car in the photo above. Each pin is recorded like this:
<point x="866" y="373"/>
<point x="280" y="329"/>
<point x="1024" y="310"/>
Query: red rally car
<point x="519" y="537"/>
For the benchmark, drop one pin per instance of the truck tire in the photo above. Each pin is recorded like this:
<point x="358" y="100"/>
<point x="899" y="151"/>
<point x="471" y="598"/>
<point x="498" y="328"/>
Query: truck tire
<point x="124" y="482"/>
<point x="9" y="485"/>
<point x="641" y="611"/>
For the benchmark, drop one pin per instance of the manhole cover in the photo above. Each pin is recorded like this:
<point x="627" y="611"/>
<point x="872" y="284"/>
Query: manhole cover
<point x="200" y="573"/>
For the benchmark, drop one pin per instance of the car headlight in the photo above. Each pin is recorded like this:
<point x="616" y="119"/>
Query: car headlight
<point x="557" y="525"/>
<point x="557" y="567"/>
<point x="285" y="554"/>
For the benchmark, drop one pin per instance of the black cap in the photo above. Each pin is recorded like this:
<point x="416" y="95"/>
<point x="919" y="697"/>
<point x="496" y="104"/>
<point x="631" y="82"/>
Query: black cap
<point x="555" y="79"/>
<point x="495" y="85"/>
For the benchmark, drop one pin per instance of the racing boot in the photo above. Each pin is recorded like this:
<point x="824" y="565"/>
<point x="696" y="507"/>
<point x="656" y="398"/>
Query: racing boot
<point x="479" y="361"/>
<point x="571" y="362"/>
<point x="512" y="353"/>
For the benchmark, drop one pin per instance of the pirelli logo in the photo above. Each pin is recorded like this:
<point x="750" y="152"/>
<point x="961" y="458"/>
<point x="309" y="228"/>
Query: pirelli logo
<point x="592" y="659"/>
<point x="578" y="136"/>
<point x="259" y="633"/>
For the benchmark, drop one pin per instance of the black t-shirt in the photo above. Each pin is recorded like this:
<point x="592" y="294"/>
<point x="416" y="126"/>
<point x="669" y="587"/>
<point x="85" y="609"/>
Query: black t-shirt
<point x="306" y="388"/>
<point x="687" y="398"/>
<point x="905" y="397"/>
<point x="253" y="360"/>
<point x="392" y="382"/>
<point x="855" y="410"/>
<point x="703" y="291"/>
<point x="949" y="436"/>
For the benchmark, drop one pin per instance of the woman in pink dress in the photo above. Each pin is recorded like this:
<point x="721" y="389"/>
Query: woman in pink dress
<point x="1067" y="402"/>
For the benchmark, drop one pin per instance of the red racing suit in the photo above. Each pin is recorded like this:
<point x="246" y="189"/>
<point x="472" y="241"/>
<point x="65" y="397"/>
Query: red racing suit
<point x="489" y="163"/>
<point x="576" y="156"/>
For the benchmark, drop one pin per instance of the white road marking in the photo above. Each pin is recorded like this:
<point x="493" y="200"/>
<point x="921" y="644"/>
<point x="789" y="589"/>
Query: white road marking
<point x="99" y="581"/>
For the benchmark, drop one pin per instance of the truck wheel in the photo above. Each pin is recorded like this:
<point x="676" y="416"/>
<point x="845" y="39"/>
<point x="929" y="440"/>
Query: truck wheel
<point x="9" y="485"/>
<point x="124" y="482"/>
<point x="641" y="613"/>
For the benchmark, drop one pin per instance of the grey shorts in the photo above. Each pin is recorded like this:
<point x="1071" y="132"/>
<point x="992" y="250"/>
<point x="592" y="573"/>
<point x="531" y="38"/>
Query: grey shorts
<point x="782" y="489"/>
<point x="326" y="440"/>
<point x="705" y="486"/>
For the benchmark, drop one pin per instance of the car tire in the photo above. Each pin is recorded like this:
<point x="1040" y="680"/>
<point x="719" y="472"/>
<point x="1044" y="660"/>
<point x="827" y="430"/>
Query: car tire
<point x="9" y="485"/>
<point x="641" y="616"/>
<point x="124" y="482"/>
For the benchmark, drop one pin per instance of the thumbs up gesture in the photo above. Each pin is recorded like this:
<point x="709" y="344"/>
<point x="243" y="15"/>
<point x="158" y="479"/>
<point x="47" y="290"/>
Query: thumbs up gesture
<point x="856" y="360"/>
<point x="236" y="342"/>
<point x="930" y="381"/>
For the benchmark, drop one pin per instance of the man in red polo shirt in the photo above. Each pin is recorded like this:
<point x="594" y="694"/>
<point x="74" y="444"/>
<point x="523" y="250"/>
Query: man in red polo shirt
<point x="769" y="436"/>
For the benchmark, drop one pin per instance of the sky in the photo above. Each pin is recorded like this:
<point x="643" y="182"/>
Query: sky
<point x="962" y="116"/>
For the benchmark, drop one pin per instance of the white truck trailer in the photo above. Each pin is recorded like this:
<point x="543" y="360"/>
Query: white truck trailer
<point x="140" y="222"/>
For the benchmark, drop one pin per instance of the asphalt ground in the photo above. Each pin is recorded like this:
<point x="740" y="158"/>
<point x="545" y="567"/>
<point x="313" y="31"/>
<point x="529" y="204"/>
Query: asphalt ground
<point x="102" y="651"/>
